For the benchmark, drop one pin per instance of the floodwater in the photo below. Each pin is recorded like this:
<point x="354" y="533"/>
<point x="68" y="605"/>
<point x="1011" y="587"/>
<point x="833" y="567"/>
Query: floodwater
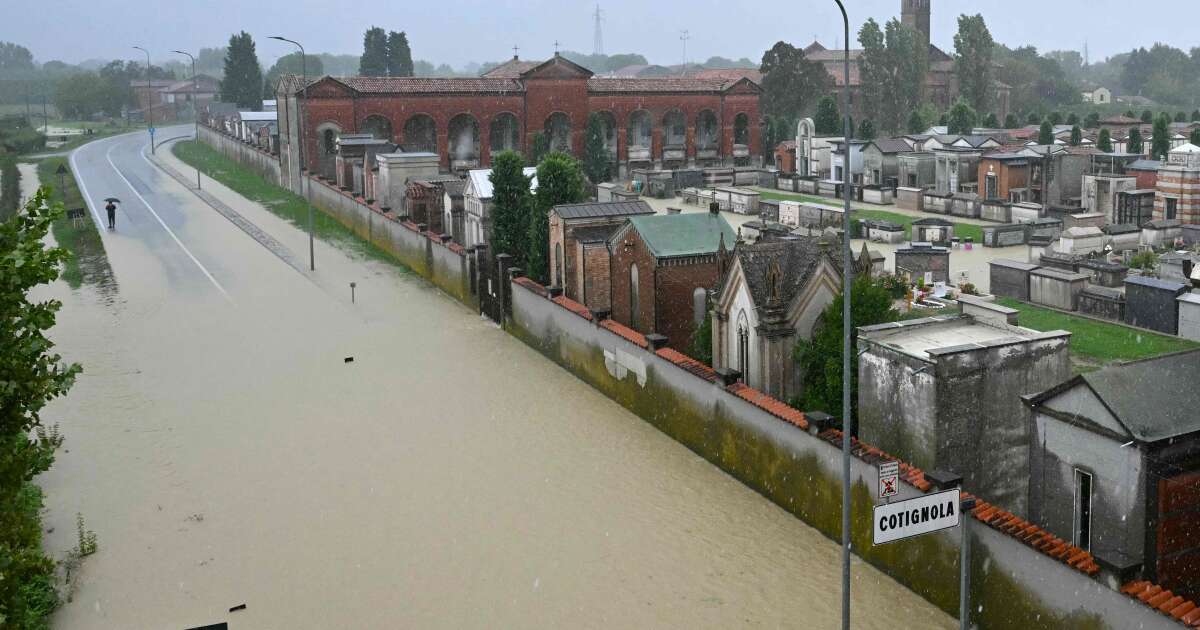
<point x="225" y="453"/>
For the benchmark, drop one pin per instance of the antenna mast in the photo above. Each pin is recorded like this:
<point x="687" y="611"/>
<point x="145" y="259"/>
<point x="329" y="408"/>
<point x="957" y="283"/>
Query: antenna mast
<point x="598" y="37"/>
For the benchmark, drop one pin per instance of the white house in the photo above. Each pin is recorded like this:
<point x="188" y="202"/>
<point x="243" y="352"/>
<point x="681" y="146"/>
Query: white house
<point x="1098" y="96"/>
<point x="477" y="203"/>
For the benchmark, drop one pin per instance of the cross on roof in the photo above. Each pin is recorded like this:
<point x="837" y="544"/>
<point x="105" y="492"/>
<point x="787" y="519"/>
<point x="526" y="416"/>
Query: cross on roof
<point x="515" y="49"/>
<point x="556" y="46"/>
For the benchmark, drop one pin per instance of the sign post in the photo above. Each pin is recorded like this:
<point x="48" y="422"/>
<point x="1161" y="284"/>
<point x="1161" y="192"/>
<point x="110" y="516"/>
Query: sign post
<point x="913" y="517"/>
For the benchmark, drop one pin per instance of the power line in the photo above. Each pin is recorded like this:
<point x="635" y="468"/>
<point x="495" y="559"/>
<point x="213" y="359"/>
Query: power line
<point x="598" y="36"/>
<point x="683" y="37"/>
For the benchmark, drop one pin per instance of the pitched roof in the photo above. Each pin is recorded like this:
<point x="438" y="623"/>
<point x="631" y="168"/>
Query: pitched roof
<point x="511" y="69"/>
<point x="891" y="145"/>
<point x="593" y="209"/>
<point x="1144" y="165"/>
<point x="668" y="235"/>
<point x="661" y="84"/>
<point x="797" y="260"/>
<point x="419" y="85"/>
<point x="482" y="182"/>
<point x="1154" y="399"/>
<point x="729" y="74"/>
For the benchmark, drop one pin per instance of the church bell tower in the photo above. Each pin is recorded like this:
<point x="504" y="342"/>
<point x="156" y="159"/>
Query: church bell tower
<point x="915" y="15"/>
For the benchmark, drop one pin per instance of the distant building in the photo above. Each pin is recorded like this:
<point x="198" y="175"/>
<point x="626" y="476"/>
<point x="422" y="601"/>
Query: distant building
<point x="579" y="255"/>
<point x="1178" y="185"/>
<point x="1097" y="96"/>
<point x="477" y="204"/>
<point x="1113" y="468"/>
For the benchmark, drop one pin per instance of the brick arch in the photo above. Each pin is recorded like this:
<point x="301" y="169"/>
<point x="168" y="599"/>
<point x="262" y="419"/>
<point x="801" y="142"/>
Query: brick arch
<point x="675" y="127"/>
<point x="707" y="129"/>
<point x="379" y="124"/>
<point x="639" y="126"/>
<point x="611" y="129"/>
<point x="557" y="135"/>
<point x="416" y="136"/>
<point x="463" y="140"/>
<point x="500" y="139"/>
<point x="326" y="146"/>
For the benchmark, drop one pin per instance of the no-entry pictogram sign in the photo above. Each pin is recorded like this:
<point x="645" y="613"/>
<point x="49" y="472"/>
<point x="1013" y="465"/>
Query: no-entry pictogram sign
<point x="889" y="479"/>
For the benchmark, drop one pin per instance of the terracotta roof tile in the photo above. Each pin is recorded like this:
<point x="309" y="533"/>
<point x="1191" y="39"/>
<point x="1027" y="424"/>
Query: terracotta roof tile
<point x="532" y="286"/>
<point x="430" y="85"/>
<point x="658" y="84"/>
<point x="691" y="365"/>
<point x="624" y="332"/>
<point x="573" y="306"/>
<point x="770" y="405"/>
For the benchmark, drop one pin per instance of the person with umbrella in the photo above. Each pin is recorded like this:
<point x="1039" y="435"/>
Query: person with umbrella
<point x="111" y="207"/>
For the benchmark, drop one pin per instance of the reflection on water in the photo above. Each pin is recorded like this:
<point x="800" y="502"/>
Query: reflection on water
<point x="449" y="477"/>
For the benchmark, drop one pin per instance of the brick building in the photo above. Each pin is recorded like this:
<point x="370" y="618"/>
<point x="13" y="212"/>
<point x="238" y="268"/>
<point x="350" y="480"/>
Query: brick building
<point x="579" y="254"/>
<point x="666" y="122"/>
<point x="1178" y="196"/>
<point x="662" y="269"/>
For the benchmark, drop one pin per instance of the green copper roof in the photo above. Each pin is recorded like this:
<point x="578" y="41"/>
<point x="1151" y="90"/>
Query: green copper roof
<point x="689" y="234"/>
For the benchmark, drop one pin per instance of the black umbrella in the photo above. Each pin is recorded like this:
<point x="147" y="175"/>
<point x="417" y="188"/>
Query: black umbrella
<point x="112" y="199"/>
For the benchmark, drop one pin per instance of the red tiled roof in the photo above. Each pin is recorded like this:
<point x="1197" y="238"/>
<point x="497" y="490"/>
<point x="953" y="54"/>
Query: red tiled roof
<point x="663" y="84"/>
<point x="511" y="69"/>
<point x="768" y="404"/>
<point x="688" y="363"/>
<point x="532" y="286"/>
<point x="1174" y="606"/>
<point x="729" y="74"/>
<point x="419" y="85"/>
<point x="573" y="306"/>
<point x="625" y="333"/>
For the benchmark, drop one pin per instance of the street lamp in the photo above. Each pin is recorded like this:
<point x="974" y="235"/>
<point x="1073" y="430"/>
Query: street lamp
<point x="149" y="99"/>
<point x="847" y="327"/>
<point x="195" y="105"/>
<point x="312" y="265"/>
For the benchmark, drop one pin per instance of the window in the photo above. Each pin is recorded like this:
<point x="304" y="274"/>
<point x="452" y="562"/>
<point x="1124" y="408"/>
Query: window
<point x="633" y="296"/>
<point x="560" y="273"/>
<point x="699" y="305"/>
<point x="1082" y="536"/>
<point x="1172" y="207"/>
<point x="743" y="341"/>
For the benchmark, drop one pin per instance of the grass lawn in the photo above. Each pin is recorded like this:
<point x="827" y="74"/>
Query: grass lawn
<point x="279" y="201"/>
<point x="1098" y="342"/>
<point x="962" y="230"/>
<point x="88" y="262"/>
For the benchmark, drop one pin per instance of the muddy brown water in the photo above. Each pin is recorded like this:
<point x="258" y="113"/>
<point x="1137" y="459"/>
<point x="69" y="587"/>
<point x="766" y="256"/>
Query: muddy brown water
<point x="450" y="477"/>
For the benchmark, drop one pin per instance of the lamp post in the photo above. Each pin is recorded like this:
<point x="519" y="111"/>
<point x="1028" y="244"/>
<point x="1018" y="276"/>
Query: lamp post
<point x="195" y="105"/>
<point x="847" y="327"/>
<point x="312" y="265"/>
<point x="149" y="99"/>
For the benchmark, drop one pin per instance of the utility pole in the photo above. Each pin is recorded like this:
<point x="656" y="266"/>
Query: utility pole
<point x="149" y="100"/>
<point x="598" y="36"/>
<point x="683" y="37"/>
<point x="195" y="105"/>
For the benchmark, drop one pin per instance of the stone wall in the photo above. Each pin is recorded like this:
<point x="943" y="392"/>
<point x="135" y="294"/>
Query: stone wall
<point x="260" y="162"/>
<point x="779" y="453"/>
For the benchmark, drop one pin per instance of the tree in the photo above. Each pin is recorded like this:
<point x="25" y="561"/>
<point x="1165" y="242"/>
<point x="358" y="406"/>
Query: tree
<point x="292" y="64"/>
<point x="1033" y="118"/>
<point x="1194" y="137"/>
<point x="991" y="122"/>
<point x="1129" y="114"/>
<point x="892" y="70"/>
<point x="820" y="358"/>
<point x="776" y="129"/>
<point x="597" y="158"/>
<point x="243" y="81"/>
<point x="1147" y="116"/>
<point x="1196" y="115"/>
<point x="916" y="122"/>
<point x="1092" y="120"/>
<point x="1160" y="139"/>
<point x="973" y="46"/>
<point x="540" y="146"/>
<point x="399" y="55"/>
<point x="1105" y="141"/>
<point x="1180" y="117"/>
<point x="1135" y="141"/>
<point x="511" y="203"/>
<point x="560" y="180"/>
<point x="1010" y="121"/>
<point x="32" y="376"/>
<point x="1055" y="117"/>
<point x="1046" y="133"/>
<point x="1072" y="119"/>
<point x="15" y="59"/>
<point x="962" y="118"/>
<point x="828" y="120"/>
<point x="866" y="130"/>
<point x="374" y="59"/>
<point x="790" y="81"/>
<point x="1076" y="135"/>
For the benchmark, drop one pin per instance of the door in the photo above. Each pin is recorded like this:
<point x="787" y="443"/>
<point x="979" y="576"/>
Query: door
<point x="1178" y="539"/>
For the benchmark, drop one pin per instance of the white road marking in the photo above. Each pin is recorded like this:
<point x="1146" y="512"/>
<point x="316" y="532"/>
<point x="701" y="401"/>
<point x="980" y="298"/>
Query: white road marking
<point x="87" y="197"/>
<point x="108" y="156"/>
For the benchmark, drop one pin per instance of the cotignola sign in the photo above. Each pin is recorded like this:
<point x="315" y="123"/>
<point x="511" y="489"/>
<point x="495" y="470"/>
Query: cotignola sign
<point x="914" y="517"/>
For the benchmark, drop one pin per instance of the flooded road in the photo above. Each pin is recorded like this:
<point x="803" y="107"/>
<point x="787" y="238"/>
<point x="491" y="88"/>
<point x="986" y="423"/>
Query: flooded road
<point x="449" y="477"/>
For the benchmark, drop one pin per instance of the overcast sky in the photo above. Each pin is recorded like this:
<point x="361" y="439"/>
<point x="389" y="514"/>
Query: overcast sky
<point x="480" y="30"/>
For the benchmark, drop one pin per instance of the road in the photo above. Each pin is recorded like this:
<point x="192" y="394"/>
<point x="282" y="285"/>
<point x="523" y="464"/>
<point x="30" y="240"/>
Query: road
<point x="225" y="453"/>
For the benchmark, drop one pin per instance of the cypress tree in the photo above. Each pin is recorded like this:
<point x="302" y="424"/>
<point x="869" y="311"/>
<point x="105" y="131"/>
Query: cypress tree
<point x="1135" y="141"/>
<point x="1076" y="136"/>
<point x="1105" y="143"/>
<point x="597" y="161"/>
<point x="560" y="180"/>
<point x="1194" y="138"/>
<point x="399" y="55"/>
<point x="374" y="59"/>
<point x="828" y="121"/>
<point x="1010" y="121"/>
<point x="1046" y="133"/>
<point x="1160" y="140"/>
<point x="510" y="206"/>
<point x="243" y="81"/>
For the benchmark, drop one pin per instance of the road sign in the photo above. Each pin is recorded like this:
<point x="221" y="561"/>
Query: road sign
<point x="914" y="517"/>
<point x="62" y="170"/>
<point x="889" y="479"/>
